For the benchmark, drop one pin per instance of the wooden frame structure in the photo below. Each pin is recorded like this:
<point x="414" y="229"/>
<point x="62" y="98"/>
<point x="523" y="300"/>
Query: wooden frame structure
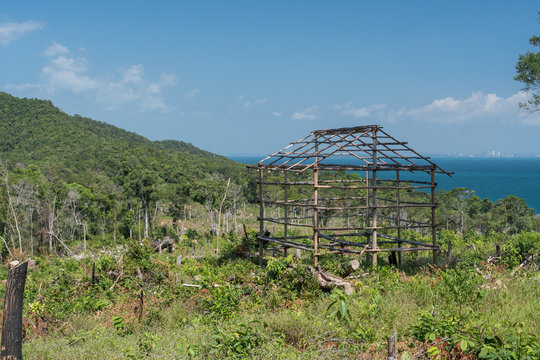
<point x="347" y="213"/>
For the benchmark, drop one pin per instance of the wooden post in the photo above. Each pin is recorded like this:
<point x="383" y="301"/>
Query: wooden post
<point x="374" y="202"/>
<point x="392" y="347"/>
<point x="141" y="304"/>
<point x="433" y="225"/>
<point x="12" y="319"/>
<point x="315" y="204"/>
<point x="398" y="216"/>
<point x="93" y="272"/>
<point x="367" y="220"/>
<point x="285" y="248"/>
<point x="367" y="199"/>
<point x="261" y="216"/>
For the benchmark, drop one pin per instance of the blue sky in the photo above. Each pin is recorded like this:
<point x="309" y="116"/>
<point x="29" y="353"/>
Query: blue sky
<point x="248" y="77"/>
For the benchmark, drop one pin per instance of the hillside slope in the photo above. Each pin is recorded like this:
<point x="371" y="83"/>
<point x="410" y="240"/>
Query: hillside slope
<point x="36" y="132"/>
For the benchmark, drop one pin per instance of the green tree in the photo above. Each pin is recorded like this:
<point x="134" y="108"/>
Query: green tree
<point x="528" y="72"/>
<point x="142" y="183"/>
<point x="514" y="214"/>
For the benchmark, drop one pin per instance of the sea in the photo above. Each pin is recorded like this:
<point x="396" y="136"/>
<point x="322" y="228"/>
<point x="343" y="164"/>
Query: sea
<point x="492" y="178"/>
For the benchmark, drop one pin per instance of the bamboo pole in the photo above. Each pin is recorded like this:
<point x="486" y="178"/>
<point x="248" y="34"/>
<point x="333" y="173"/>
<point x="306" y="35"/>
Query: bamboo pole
<point x="261" y="217"/>
<point x="398" y="215"/>
<point x="374" y="192"/>
<point x="433" y="225"/>
<point x="315" y="206"/>
<point x="285" y="235"/>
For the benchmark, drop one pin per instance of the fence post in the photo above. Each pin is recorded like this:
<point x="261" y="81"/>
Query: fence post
<point x="12" y="319"/>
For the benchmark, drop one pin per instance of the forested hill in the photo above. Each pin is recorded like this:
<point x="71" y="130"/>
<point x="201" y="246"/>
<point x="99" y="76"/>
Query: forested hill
<point x="80" y="149"/>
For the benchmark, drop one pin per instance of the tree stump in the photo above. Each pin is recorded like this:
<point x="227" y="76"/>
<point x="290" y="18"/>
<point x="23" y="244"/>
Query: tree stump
<point x="12" y="319"/>
<point x="392" y="347"/>
<point x="353" y="266"/>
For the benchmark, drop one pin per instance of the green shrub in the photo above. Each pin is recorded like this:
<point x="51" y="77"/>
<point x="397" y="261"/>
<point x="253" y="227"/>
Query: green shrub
<point x="138" y="256"/>
<point x="276" y="267"/>
<point x="237" y="342"/>
<point x="223" y="302"/>
<point x="460" y="287"/>
<point x="519" y="247"/>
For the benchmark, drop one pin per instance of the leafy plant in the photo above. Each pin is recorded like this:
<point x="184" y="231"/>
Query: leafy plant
<point x="516" y="343"/>
<point x="223" y="303"/>
<point x="277" y="266"/>
<point x="461" y="287"/>
<point x="237" y="342"/>
<point x="364" y="334"/>
<point x="429" y="327"/>
<point x="119" y="325"/>
<point x="147" y="343"/>
<point x="338" y="307"/>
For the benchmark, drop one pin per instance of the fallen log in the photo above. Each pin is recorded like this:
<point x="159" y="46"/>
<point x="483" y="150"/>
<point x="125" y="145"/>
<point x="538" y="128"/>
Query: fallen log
<point x="522" y="265"/>
<point x="159" y="246"/>
<point x="330" y="281"/>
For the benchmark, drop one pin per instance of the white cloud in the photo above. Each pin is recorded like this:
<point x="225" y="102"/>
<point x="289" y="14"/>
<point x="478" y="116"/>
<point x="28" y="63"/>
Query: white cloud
<point x="153" y="103"/>
<point x="132" y="87"/>
<point x="165" y="81"/>
<point x="477" y="107"/>
<point x="56" y="49"/>
<point x="21" y="87"/>
<point x="277" y="114"/>
<point x="168" y="79"/>
<point x="69" y="74"/>
<point x="192" y="94"/>
<point x="10" y="31"/>
<point x="261" y="101"/>
<point x="309" y="113"/>
<point x="349" y="109"/>
<point x="133" y="75"/>
<point x="247" y="104"/>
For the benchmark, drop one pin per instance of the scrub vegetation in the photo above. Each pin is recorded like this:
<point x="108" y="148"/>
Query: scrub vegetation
<point x="88" y="201"/>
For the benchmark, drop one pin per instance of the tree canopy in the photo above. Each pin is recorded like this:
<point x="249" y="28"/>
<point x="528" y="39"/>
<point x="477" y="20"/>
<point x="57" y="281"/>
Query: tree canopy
<point x="528" y="72"/>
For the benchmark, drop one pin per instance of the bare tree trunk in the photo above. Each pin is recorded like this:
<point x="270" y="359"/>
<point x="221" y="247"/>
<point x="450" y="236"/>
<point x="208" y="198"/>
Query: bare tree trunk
<point x="130" y="224"/>
<point x="219" y="218"/>
<point x="154" y="218"/>
<point x="85" y="227"/>
<point x="31" y="234"/>
<point x="115" y="226"/>
<point x="211" y="212"/>
<point x="234" y="220"/>
<point x="145" y="221"/>
<point x="12" y="319"/>
<point x="51" y="225"/>
<point x="12" y="209"/>
<point x="139" y="222"/>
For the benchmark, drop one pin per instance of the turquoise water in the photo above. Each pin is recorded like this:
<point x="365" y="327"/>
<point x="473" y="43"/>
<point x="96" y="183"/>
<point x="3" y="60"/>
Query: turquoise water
<point x="492" y="178"/>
